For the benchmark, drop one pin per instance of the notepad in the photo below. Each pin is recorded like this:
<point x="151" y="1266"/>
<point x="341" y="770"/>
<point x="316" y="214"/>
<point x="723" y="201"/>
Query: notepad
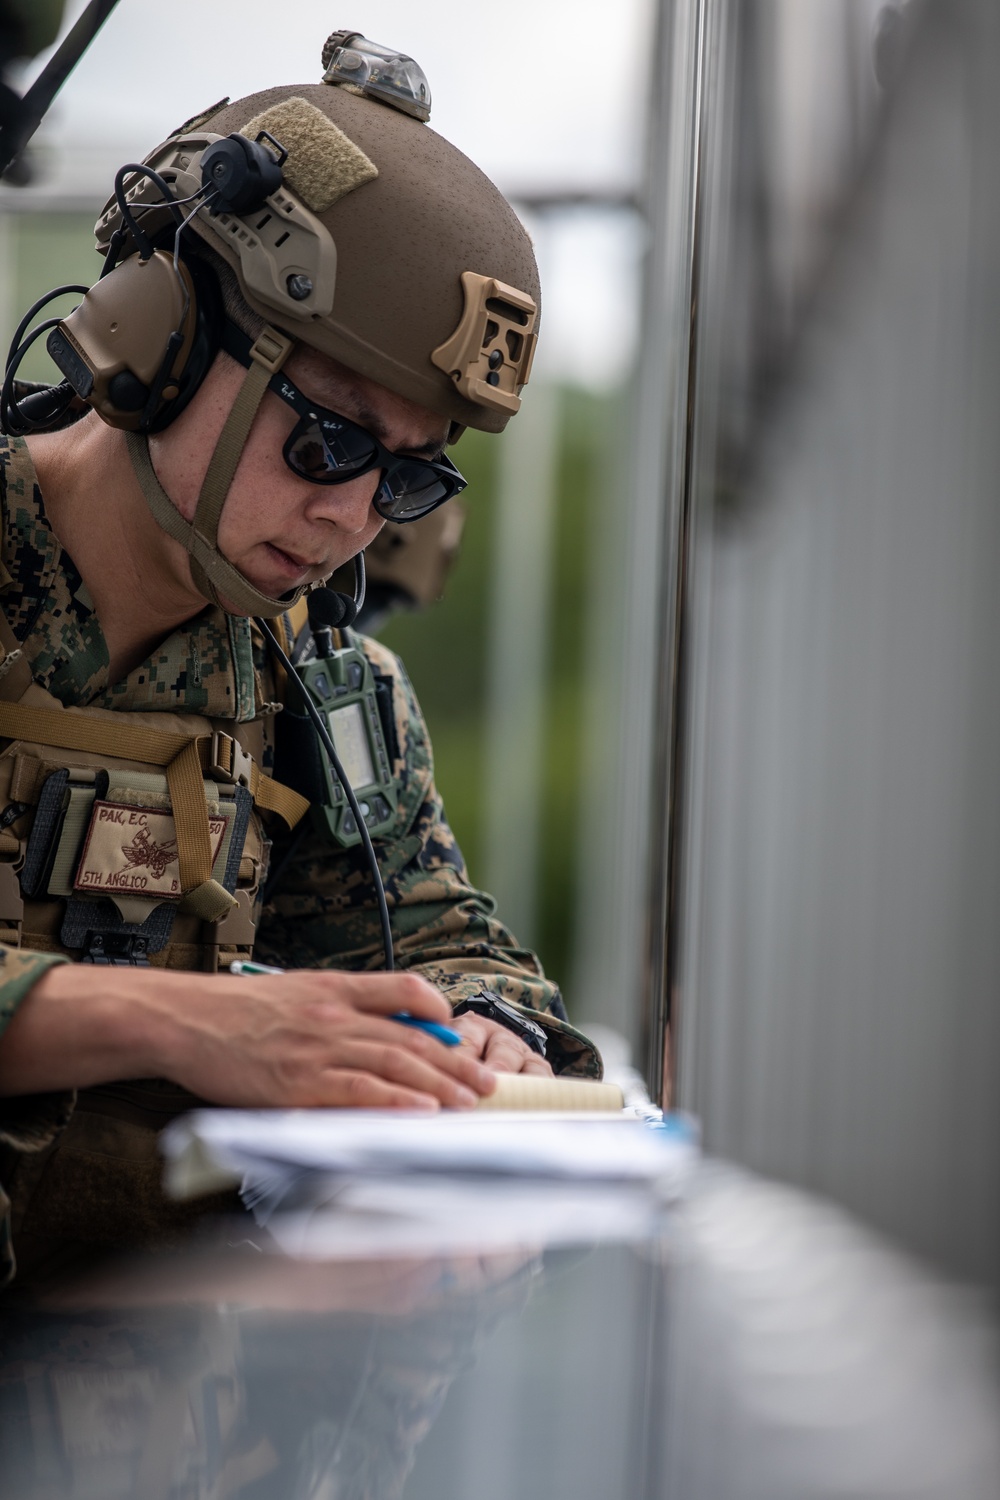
<point x="562" y="1095"/>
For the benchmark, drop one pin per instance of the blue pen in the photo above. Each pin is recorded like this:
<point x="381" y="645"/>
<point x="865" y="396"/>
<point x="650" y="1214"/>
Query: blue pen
<point x="446" y="1034"/>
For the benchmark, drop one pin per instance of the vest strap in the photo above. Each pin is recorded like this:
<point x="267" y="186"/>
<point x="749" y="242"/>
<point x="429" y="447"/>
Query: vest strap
<point x="266" y="358"/>
<point x="202" y="895"/>
<point x="211" y="572"/>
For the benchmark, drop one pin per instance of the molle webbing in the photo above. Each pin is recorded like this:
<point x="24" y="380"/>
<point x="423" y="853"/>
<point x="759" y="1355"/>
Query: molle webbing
<point x="186" y="760"/>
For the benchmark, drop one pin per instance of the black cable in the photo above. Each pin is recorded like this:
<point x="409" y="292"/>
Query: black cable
<point x="35" y="309"/>
<point x="206" y="191"/>
<point x="327" y="742"/>
<point x="115" y="244"/>
<point x="144" y="244"/>
<point x="9" y="420"/>
<point x="121" y="234"/>
<point x="19" y="346"/>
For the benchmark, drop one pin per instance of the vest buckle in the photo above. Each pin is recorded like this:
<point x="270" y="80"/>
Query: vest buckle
<point x="229" y="761"/>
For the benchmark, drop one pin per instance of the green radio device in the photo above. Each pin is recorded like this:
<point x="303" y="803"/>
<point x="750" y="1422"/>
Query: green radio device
<point x="342" y="686"/>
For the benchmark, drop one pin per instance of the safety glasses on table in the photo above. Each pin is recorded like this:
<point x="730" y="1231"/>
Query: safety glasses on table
<point x="326" y="448"/>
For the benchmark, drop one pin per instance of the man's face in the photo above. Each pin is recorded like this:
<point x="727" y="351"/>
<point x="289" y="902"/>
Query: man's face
<point x="278" y="529"/>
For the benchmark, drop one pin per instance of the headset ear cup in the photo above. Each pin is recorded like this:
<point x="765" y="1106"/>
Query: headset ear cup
<point x="207" y="340"/>
<point x="120" y="349"/>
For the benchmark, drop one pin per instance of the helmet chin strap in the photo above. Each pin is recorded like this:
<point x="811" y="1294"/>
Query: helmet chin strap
<point x="214" y="575"/>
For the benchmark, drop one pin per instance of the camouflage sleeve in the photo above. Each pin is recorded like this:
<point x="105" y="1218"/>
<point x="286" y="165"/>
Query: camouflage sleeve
<point x="31" y="1121"/>
<point x="323" y="913"/>
<point x="28" y="1122"/>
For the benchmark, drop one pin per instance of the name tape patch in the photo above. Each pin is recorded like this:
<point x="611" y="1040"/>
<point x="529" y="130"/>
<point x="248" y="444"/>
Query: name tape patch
<point x="133" y="851"/>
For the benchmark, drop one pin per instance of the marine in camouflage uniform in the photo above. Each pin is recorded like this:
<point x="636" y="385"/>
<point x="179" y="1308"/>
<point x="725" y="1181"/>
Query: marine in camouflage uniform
<point x="335" y="240"/>
<point x="322" y="913"/>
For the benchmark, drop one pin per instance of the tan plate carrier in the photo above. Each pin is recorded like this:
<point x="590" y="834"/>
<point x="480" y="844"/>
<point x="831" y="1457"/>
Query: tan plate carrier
<point x="44" y="736"/>
<point x="97" y="1185"/>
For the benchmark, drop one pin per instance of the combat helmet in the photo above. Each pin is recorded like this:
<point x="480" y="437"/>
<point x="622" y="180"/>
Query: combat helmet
<point x="429" y="252"/>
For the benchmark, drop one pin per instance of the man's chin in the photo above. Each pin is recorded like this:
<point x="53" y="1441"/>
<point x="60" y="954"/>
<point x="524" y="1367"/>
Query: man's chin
<point x="275" y="584"/>
<point x="285" y="596"/>
<point x="275" y="576"/>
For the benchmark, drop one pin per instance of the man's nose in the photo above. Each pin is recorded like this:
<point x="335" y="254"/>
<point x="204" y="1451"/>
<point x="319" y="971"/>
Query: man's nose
<point x="347" y="506"/>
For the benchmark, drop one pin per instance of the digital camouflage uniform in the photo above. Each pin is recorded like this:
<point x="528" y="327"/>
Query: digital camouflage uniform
<point x="322" y="913"/>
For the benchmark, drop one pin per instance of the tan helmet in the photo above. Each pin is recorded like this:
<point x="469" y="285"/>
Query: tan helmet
<point x="436" y="288"/>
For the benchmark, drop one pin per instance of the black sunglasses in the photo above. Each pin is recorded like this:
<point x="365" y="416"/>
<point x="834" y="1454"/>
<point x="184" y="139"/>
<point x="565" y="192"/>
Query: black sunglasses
<point x="327" y="448"/>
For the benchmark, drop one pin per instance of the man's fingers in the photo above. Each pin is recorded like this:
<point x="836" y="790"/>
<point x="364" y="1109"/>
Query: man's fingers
<point x="506" y="1053"/>
<point x="536" y="1064"/>
<point x="397" y="1064"/>
<point x="385" y="994"/>
<point x="461" y="1062"/>
<point x="347" y="1089"/>
<point x="499" y="1048"/>
<point x="314" y="1038"/>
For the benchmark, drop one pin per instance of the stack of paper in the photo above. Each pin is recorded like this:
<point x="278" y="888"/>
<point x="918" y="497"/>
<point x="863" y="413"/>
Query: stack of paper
<point x="366" y="1182"/>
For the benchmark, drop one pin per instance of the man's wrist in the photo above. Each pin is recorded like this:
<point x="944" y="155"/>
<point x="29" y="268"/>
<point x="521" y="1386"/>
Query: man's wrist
<point x="80" y="1025"/>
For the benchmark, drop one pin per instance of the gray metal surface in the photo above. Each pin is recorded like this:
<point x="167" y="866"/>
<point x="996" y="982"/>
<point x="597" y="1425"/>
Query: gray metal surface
<point x="636" y="915"/>
<point x="839" y="947"/>
<point x="765" y="1347"/>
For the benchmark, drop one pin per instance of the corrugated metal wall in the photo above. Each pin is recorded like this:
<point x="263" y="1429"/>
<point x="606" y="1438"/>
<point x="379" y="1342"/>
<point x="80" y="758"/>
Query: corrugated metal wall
<point x="836" y="949"/>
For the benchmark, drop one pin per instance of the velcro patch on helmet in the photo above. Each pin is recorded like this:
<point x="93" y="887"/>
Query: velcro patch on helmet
<point x="323" y="163"/>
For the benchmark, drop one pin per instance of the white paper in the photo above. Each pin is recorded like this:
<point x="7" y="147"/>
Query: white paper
<point x="332" y="1183"/>
<point x="366" y="1142"/>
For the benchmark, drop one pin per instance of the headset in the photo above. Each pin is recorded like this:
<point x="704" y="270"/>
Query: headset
<point x="144" y="336"/>
<point x="141" y="341"/>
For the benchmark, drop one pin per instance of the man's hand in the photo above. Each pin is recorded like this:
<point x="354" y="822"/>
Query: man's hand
<point x="308" y="1038"/>
<point x="499" y="1048"/>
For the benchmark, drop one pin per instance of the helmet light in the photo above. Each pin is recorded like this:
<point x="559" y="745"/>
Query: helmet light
<point x="352" y="61"/>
